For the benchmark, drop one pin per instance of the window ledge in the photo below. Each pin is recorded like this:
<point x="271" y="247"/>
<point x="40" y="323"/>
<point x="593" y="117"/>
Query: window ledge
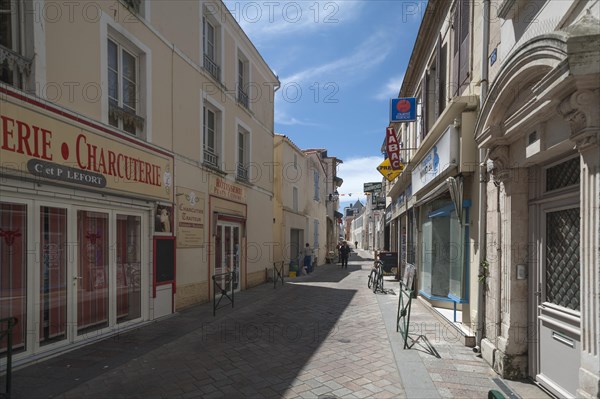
<point x="214" y="168"/>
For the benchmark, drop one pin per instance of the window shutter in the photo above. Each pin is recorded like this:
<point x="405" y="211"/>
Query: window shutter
<point x="424" y="110"/>
<point x="454" y="84"/>
<point x="465" y="42"/>
<point x="438" y="78"/>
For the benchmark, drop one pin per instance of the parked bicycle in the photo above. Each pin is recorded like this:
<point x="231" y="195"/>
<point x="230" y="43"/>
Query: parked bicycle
<point x="376" y="276"/>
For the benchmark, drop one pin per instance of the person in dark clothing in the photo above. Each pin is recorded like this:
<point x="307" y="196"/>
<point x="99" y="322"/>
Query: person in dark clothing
<point x="344" y="253"/>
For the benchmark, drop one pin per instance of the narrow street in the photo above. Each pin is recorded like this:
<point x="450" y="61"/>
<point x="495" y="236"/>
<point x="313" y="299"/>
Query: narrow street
<point x="325" y="335"/>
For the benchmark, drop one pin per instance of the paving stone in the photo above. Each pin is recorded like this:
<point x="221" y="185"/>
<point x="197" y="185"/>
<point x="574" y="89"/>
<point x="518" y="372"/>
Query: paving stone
<point x="274" y="343"/>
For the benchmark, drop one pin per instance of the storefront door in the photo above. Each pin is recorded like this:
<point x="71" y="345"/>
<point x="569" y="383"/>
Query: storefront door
<point x="558" y="313"/>
<point x="228" y="253"/>
<point x="66" y="271"/>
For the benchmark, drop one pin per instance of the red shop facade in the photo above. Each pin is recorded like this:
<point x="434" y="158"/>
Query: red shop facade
<point x="82" y="208"/>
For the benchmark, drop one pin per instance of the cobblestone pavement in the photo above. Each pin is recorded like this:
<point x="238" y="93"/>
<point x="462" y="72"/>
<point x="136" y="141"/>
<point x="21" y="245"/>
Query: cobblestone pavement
<point x="325" y="335"/>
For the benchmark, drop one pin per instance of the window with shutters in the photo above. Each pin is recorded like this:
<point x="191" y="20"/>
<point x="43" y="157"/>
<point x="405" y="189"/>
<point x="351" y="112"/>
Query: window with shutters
<point x="460" y="50"/>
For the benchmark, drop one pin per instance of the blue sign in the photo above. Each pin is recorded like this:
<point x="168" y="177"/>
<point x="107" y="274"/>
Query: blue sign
<point x="403" y="109"/>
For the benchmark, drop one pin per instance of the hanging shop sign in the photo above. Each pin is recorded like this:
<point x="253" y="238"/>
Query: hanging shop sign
<point x="385" y="168"/>
<point x="392" y="147"/>
<point x="190" y="218"/>
<point x="441" y="157"/>
<point x="374" y="187"/>
<point x="36" y="145"/>
<point x="403" y="109"/>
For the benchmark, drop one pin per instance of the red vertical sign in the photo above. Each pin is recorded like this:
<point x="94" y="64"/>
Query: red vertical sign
<point x="393" y="149"/>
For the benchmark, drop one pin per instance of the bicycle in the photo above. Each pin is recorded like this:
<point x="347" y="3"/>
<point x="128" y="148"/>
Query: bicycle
<point x="376" y="277"/>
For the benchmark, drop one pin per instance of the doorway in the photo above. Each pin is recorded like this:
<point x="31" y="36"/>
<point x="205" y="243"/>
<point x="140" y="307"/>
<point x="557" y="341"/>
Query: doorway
<point x="79" y="268"/>
<point x="228" y="252"/>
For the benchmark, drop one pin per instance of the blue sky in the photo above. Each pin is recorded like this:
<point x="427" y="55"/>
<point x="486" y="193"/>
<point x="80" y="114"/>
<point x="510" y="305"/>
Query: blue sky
<point x="339" y="63"/>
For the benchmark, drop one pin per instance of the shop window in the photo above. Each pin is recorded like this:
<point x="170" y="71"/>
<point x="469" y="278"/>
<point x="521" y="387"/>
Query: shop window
<point x="13" y="271"/>
<point x="442" y="271"/>
<point x="53" y="274"/>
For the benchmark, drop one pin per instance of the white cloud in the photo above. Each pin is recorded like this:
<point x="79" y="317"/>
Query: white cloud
<point x="283" y="118"/>
<point x="268" y="20"/>
<point x="371" y="52"/>
<point x="355" y="172"/>
<point x="391" y="88"/>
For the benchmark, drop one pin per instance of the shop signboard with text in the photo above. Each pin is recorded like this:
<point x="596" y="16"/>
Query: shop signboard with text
<point x="190" y="218"/>
<point x="51" y="147"/>
<point x="442" y="156"/>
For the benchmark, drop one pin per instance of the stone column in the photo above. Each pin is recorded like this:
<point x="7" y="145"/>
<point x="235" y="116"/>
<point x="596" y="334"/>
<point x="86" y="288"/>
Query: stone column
<point x="580" y="109"/>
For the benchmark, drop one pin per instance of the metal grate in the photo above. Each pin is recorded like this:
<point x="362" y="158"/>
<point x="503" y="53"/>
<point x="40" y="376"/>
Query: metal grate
<point x="563" y="175"/>
<point x="212" y="68"/>
<point x="563" y="280"/>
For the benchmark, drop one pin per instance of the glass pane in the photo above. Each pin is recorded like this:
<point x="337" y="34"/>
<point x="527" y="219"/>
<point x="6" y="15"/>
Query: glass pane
<point x="129" y="96"/>
<point x="53" y="274"/>
<point x="129" y="268"/>
<point x="236" y="256"/>
<point x="112" y="53"/>
<point x="440" y="268"/>
<point x="92" y="271"/>
<point x="456" y="253"/>
<point x="6" y="30"/>
<point x="563" y="175"/>
<point x="129" y="71"/>
<point x="563" y="282"/>
<point x="241" y="156"/>
<point x="427" y="258"/>
<point x="13" y="270"/>
<point x="113" y="86"/>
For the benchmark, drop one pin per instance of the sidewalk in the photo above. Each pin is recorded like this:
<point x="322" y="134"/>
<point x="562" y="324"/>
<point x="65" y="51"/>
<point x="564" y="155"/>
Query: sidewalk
<point x="323" y="335"/>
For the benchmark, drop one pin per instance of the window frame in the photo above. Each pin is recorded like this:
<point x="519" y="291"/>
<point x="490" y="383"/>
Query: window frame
<point x="211" y="63"/>
<point x="243" y="152"/>
<point x="217" y="150"/>
<point x="109" y="29"/>
<point x="121" y="77"/>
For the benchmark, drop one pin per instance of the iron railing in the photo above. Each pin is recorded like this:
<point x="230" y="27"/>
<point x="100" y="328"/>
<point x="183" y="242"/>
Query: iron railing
<point x="277" y="273"/>
<point x="210" y="158"/>
<point x="212" y="68"/>
<point x="242" y="172"/>
<point x="223" y="289"/>
<point x="243" y="98"/>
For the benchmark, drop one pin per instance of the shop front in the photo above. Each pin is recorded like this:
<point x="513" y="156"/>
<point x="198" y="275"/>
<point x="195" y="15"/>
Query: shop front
<point x="77" y="207"/>
<point x="442" y="218"/>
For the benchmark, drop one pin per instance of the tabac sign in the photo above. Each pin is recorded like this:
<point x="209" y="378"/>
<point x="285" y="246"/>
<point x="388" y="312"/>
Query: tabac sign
<point x="34" y="144"/>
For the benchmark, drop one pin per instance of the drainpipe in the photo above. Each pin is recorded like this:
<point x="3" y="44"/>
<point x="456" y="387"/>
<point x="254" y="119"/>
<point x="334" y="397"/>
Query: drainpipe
<point x="483" y="157"/>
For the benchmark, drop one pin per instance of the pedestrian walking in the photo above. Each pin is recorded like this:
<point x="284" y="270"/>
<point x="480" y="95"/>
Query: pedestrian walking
<point x="307" y="258"/>
<point x="355" y="244"/>
<point x="344" y="253"/>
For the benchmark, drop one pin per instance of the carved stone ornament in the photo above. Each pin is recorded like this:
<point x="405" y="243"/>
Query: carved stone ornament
<point x="498" y="163"/>
<point x="580" y="109"/>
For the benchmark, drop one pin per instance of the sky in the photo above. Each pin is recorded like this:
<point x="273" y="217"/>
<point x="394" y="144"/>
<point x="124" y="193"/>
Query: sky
<point x="339" y="64"/>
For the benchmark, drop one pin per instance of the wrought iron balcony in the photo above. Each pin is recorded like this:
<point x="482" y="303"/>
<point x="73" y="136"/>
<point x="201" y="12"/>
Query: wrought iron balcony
<point x="243" y="98"/>
<point x="212" y="68"/>
<point x="210" y="158"/>
<point x="242" y="172"/>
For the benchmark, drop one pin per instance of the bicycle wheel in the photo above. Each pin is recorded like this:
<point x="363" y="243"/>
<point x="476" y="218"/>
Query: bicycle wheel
<point x="375" y="281"/>
<point x="371" y="275"/>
